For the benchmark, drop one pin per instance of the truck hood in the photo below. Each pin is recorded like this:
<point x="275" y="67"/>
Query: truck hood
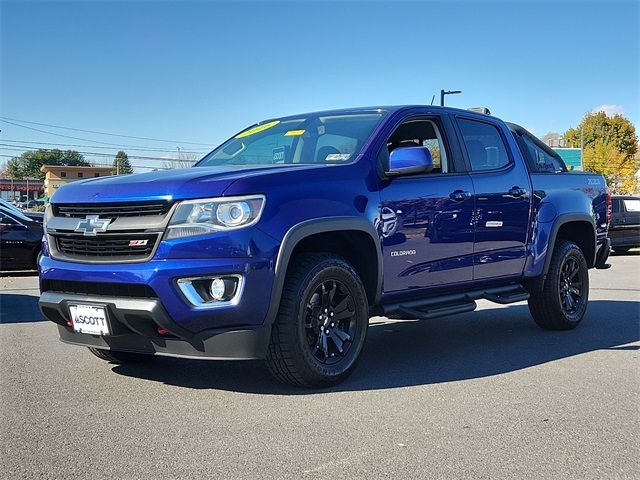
<point x="179" y="184"/>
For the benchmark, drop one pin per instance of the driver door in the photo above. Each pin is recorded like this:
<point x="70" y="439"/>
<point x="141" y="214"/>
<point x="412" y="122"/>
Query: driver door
<point x="425" y="220"/>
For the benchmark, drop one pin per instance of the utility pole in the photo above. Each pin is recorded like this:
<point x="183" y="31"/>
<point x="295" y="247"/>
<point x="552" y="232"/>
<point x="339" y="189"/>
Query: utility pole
<point x="447" y="92"/>
<point x="582" y="148"/>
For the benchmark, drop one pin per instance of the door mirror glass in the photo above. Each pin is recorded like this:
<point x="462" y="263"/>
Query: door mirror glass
<point x="409" y="161"/>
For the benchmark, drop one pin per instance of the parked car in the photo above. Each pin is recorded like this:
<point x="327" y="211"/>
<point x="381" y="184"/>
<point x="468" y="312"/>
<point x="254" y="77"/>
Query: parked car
<point x="37" y="216"/>
<point x="283" y="241"/>
<point x="20" y="240"/>
<point x="625" y="223"/>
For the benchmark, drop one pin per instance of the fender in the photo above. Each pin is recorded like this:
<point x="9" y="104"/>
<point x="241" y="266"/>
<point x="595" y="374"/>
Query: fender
<point x="544" y="241"/>
<point x="307" y="228"/>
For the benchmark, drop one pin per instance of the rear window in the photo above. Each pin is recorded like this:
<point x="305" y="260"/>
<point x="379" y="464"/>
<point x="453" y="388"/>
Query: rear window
<point x="539" y="159"/>
<point x="631" y="204"/>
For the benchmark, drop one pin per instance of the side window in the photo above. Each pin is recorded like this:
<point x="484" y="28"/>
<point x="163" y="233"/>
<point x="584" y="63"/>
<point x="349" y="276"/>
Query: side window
<point x="484" y="144"/>
<point x="63" y="174"/>
<point x="541" y="161"/>
<point x="422" y="133"/>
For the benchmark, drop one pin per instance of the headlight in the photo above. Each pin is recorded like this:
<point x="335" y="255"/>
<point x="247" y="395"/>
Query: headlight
<point x="198" y="217"/>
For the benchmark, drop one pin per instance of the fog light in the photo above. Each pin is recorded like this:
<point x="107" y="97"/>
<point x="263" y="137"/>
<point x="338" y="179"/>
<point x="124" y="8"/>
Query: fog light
<point x="218" y="289"/>
<point x="210" y="292"/>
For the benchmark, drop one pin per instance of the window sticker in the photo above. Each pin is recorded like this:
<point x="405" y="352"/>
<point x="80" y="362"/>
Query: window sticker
<point x="279" y="154"/>
<point x="257" y="129"/>
<point x="294" y="133"/>
<point x="337" y="157"/>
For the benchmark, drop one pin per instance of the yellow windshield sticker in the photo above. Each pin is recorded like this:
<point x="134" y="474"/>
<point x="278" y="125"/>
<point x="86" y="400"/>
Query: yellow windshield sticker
<point x="258" y="129"/>
<point x="294" y="133"/>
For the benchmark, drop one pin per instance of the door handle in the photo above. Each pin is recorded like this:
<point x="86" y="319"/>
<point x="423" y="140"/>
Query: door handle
<point x="517" y="192"/>
<point x="459" y="196"/>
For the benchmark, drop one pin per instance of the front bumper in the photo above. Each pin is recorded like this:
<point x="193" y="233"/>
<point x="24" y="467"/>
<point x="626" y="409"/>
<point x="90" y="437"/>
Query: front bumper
<point x="134" y="323"/>
<point x="161" y="276"/>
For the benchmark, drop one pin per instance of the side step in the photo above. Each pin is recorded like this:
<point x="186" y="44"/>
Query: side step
<point x="439" y="306"/>
<point x="438" y="311"/>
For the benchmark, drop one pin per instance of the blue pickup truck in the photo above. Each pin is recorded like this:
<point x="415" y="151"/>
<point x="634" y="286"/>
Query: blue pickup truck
<point x="282" y="242"/>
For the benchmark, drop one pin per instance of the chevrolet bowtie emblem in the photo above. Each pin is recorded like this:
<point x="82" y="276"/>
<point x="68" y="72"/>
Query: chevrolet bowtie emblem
<point x="91" y="225"/>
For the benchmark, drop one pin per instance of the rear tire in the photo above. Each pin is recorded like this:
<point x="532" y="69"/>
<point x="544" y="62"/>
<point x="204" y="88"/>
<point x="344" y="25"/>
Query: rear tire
<point x="121" y="358"/>
<point x="563" y="300"/>
<point x="318" y="335"/>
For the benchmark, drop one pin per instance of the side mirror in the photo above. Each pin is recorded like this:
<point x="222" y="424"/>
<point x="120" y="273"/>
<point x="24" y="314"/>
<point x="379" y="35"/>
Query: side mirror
<point x="409" y="161"/>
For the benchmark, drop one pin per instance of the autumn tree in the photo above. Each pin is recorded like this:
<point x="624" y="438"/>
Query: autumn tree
<point x="610" y="147"/>
<point x="599" y="127"/>
<point x="618" y="169"/>
<point x="29" y="163"/>
<point x="121" y="164"/>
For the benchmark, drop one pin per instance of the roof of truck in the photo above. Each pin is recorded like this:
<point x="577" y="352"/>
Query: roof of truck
<point x="386" y="108"/>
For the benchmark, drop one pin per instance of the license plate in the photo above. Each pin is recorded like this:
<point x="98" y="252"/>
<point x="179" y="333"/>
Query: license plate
<point x="89" y="319"/>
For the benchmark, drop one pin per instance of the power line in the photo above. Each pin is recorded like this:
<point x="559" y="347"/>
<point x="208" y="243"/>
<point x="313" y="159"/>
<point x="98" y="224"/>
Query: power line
<point x="140" y="148"/>
<point x="6" y="146"/>
<point x="101" y="133"/>
<point x="68" y="136"/>
<point x="102" y="165"/>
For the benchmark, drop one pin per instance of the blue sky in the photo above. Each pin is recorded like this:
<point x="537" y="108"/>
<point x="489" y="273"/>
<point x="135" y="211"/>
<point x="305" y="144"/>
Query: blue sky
<point x="201" y="71"/>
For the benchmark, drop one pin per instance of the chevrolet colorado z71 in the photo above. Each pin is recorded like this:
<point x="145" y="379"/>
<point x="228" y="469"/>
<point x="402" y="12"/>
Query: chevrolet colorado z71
<point x="282" y="242"/>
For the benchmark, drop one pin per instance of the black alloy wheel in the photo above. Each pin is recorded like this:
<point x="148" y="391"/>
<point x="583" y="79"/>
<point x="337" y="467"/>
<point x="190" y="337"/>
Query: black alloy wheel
<point x="330" y="322"/>
<point x="570" y="286"/>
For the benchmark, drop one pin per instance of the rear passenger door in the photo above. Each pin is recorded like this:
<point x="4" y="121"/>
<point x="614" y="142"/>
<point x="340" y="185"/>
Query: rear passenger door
<point x="502" y="194"/>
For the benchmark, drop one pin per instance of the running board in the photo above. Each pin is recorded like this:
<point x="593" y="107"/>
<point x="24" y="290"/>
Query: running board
<point x="512" y="297"/>
<point x="439" y="306"/>
<point x="438" y="311"/>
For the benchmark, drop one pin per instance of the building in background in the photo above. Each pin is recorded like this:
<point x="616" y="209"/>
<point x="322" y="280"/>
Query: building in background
<point x="572" y="157"/>
<point x="20" y="190"/>
<point x="57" y="175"/>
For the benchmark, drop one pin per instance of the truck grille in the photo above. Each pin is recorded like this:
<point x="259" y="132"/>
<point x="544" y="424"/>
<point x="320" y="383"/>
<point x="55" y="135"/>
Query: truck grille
<point x="102" y="288"/>
<point x="110" y="247"/>
<point x="111" y="210"/>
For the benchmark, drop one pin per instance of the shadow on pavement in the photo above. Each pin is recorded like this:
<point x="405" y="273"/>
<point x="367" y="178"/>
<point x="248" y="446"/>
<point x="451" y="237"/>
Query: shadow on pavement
<point x="18" y="273"/>
<point x="19" y="309"/>
<point x="400" y="354"/>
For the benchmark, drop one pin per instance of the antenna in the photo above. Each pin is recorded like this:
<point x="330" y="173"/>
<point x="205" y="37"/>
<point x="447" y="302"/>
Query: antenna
<point x="433" y="97"/>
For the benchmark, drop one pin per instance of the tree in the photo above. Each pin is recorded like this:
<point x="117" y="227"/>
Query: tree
<point x="29" y="163"/>
<point x="121" y="164"/>
<point x="618" y="169"/>
<point x="599" y="127"/>
<point x="184" y="160"/>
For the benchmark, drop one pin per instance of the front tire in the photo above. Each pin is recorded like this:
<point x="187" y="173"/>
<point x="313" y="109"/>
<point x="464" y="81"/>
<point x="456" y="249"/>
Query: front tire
<point x="322" y="322"/>
<point x="563" y="300"/>
<point x="121" y="358"/>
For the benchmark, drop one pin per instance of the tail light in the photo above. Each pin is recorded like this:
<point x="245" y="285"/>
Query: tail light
<point x="609" y="207"/>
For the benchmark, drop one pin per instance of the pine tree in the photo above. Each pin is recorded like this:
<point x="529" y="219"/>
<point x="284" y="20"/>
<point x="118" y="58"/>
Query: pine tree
<point x="121" y="164"/>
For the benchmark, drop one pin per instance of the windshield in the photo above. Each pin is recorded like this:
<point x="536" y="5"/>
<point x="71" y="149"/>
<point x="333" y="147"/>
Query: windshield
<point x="314" y="139"/>
<point x="13" y="209"/>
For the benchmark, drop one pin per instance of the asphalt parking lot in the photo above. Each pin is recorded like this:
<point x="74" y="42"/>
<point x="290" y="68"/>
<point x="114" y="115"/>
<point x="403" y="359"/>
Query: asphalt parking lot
<point x="480" y="395"/>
